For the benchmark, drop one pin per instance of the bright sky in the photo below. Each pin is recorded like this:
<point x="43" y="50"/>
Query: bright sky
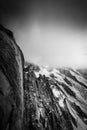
<point x="53" y="44"/>
<point x="49" y="32"/>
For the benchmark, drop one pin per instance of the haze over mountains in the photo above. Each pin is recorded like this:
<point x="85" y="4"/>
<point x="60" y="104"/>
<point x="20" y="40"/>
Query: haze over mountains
<point x="49" y="32"/>
<point x="39" y="97"/>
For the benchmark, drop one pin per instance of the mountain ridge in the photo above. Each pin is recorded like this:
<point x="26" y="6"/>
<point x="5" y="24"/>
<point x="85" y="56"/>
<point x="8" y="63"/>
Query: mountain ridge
<point x="60" y="91"/>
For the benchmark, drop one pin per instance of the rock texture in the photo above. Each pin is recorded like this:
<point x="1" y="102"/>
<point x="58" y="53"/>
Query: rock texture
<point x="55" y="99"/>
<point x="11" y="82"/>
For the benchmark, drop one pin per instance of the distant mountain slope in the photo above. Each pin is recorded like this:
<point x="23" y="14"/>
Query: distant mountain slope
<point x="55" y="99"/>
<point x="83" y="72"/>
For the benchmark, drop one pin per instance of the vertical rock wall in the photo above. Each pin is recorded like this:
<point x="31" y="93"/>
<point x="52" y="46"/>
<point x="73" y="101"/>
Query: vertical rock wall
<point x="11" y="82"/>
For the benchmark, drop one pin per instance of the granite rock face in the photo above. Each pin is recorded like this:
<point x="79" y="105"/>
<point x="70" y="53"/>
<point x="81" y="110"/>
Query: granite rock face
<point x="11" y="82"/>
<point x="55" y="99"/>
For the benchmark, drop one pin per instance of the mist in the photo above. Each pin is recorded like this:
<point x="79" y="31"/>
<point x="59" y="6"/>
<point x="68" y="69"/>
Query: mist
<point x="51" y="33"/>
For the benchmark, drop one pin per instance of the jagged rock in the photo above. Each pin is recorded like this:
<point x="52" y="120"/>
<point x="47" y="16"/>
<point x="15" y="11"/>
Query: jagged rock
<point x="11" y="82"/>
<point x="55" y="99"/>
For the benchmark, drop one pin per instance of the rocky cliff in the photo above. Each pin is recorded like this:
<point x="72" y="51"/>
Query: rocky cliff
<point x="11" y="82"/>
<point x="55" y="99"/>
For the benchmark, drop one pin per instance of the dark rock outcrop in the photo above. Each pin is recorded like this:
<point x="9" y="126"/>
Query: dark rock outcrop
<point x="11" y="82"/>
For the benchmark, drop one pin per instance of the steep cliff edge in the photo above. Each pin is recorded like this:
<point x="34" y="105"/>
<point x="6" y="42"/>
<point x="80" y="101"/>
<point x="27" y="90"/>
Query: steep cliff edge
<point x="11" y="82"/>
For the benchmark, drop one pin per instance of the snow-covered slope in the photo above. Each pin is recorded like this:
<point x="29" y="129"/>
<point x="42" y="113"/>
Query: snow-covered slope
<point x="58" y="98"/>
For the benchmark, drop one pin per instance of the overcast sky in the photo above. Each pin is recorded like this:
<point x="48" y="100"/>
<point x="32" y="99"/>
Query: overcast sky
<point x="49" y="32"/>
